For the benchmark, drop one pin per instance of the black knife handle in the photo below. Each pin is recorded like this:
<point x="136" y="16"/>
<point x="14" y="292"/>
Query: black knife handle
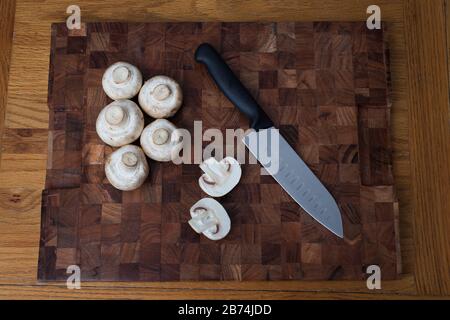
<point x="232" y="87"/>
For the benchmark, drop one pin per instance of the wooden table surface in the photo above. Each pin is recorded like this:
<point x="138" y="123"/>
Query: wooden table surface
<point x="420" y="134"/>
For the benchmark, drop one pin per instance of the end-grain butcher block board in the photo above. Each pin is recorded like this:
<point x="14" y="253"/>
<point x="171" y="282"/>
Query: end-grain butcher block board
<point x="324" y="84"/>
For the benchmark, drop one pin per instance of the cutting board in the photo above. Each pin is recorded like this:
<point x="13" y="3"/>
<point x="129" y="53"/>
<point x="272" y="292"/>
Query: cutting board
<point x="326" y="87"/>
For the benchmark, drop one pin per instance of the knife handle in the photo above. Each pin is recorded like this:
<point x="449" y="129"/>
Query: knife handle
<point x="232" y="87"/>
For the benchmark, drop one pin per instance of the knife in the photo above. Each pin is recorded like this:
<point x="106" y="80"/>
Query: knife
<point x="291" y="172"/>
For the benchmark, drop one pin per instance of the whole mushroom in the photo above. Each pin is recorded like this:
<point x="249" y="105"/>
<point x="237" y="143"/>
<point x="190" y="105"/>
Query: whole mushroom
<point x="161" y="97"/>
<point x="219" y="178"/>
<point x="122" y="81"/>
<point x="160" y="140"/>
<point x="127" y="168"/>
<point x="120" y="123"/>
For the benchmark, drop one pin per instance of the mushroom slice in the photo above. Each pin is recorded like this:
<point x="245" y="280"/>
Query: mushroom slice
<point x="210" y="218"/>
<point x="219" y="178"/>
<point x="122" y="81"/>
<point x="127" y="168"/>
<point x="120" y="123"/>
<point x="161" y="97"/>
<point x="161" y="140"/>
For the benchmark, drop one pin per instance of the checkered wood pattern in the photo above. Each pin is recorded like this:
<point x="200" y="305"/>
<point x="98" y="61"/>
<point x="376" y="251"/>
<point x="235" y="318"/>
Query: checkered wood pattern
<point x="324" y="84"/>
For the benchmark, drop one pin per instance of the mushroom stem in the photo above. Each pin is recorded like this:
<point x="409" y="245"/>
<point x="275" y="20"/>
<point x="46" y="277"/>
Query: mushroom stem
<point x="121" y="75"/>
<point x="160" y="136"/>
<point x="214" y="170"/>
<point x="161" y="92"/>
<point x="129" y="159"/>
<point x="114" y="115"/>
<point x="203" y="221"/>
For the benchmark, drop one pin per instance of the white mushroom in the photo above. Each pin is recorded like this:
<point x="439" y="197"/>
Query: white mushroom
<point x="210" y="218"/>
<point x="122" y="81"/>
<point x="219" y="178"/>
<point x="161" y="97"/>
<point x="161" y="140"/>
<point x="120" y="123"/>
<point x="127" y="168"/>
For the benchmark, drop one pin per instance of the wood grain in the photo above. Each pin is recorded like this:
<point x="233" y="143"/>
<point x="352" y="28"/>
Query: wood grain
<point x="99" y="291"/>
<point x="19" y="225"/>
<point x="430" y="154"/>
<point x="7" y="13"/>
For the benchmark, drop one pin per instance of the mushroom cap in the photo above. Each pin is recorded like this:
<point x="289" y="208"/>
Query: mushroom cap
<point x="160" y="97"/>
<point x="161" y="140"/>
<point x="127" y="168"/>
<point x="120" y="123"/>
<point x="122" y="81"/>
<point x="214" y="211"/>
<point x="219" y="177"/>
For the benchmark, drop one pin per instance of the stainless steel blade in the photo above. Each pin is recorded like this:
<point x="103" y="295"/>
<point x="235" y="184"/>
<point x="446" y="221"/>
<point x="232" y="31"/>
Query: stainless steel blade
<point x="295" y="177"/>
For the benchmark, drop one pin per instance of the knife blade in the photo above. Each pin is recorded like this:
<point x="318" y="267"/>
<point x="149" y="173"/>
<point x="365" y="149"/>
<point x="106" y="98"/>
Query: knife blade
<point x="285" y="165"/>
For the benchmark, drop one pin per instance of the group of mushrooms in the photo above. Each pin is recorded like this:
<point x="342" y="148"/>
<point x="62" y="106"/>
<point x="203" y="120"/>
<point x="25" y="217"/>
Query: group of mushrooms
<point x="121" y="123"/>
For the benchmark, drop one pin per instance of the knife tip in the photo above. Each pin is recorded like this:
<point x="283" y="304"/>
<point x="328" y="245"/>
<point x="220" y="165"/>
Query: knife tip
<point x="340" y="234"/>
<point x="337" y="228"/>
<point x="340" y="231"/>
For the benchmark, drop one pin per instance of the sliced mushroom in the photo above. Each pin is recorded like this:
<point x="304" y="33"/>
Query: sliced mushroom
<point x="127" y="168"/>
<point x="161" y="97"/>
<point x="210" y="218"/>
<point x="160" y="140"/>
<point x="120" y="123"/>
<point x="219" y="178"/>
<point x="122" y="81"/>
